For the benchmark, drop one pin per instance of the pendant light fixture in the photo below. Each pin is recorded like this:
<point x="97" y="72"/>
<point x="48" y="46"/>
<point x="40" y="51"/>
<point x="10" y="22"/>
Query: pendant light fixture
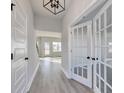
<point x="54" y="6"/>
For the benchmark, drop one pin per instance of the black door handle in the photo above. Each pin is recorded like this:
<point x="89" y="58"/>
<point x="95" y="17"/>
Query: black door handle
<point x="93" y="58"/>
<point x="26" y="58"/>
<point x="96" y="58"/>
<point x="88" y="57"/>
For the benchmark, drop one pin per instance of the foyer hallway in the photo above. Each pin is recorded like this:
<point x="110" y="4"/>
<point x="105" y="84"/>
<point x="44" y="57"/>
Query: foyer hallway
<point x="50" y="79"/>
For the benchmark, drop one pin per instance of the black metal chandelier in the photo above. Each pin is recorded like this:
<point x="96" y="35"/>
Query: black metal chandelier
<point x="54" y="6"/>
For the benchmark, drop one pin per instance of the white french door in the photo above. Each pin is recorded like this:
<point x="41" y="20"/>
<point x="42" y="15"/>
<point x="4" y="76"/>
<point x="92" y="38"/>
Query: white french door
<point x="103" y="50"/>
<point x="81" y="53"/>
<point x="18" y="48"/>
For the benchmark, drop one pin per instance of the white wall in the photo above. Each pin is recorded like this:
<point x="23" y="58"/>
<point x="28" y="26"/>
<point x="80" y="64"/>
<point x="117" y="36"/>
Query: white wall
<point x="74" y="11"/>
<point x="43" y="23"/>
<point x="31" y="39"/>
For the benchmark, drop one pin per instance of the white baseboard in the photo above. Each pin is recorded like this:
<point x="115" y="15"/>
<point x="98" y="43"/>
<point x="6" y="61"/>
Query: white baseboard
<point x="66" y="73"/>
<point x="32" y="78"/>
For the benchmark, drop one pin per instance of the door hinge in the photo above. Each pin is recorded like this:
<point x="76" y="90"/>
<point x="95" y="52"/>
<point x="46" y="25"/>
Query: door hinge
<point x="11" y="56"/>
<point x="12" y="5"/>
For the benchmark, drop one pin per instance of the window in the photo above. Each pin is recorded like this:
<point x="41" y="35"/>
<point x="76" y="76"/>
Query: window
<point x="47" y="48"/>
<point x="56" y="46"/>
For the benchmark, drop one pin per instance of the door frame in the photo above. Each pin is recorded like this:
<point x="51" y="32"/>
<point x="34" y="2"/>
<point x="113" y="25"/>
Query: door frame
<point x="87" y="10"/>
<point x="92" y="6"/>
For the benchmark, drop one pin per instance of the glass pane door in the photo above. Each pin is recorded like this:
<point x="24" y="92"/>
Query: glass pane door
<point x="81" y="66"/>
<point x="103" y="50"/>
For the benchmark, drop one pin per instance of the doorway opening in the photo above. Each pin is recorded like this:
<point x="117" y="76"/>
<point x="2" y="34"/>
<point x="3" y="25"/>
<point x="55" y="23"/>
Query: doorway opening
<point x="49" y="48"/>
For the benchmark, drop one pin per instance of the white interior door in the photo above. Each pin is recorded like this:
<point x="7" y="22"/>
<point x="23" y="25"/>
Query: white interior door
<point x="81" y="54"/>
<point x="18" y="48"/>
<point x="103" y="50"/>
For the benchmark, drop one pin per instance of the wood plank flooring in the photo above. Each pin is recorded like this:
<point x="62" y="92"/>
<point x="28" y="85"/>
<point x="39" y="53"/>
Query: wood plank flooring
<point x="50" y="79"/>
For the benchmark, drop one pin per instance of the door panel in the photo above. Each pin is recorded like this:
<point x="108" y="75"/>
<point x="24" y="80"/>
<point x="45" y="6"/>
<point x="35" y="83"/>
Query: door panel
<point x="19" y="35"/>
<point x="18" y="48"/>
<point x="103" y="50"/>
<point x="81" y="49"/>
<point x="19" y="53"/>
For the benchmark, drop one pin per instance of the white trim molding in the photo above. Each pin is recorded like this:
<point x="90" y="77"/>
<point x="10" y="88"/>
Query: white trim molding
<point x="48" y="34"/>
<point x="32" y="78"/>
<point x="66" y="73"/>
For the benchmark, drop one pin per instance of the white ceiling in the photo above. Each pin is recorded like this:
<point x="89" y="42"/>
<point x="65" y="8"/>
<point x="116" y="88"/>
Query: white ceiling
<point x="38" y="9"/>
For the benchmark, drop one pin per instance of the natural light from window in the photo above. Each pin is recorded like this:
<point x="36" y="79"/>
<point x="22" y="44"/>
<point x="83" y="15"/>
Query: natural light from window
<point x="56" y="46"/>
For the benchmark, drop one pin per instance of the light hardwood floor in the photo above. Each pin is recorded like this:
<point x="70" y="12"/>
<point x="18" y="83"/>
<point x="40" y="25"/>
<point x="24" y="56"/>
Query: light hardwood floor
<point x="50" y="79"/>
